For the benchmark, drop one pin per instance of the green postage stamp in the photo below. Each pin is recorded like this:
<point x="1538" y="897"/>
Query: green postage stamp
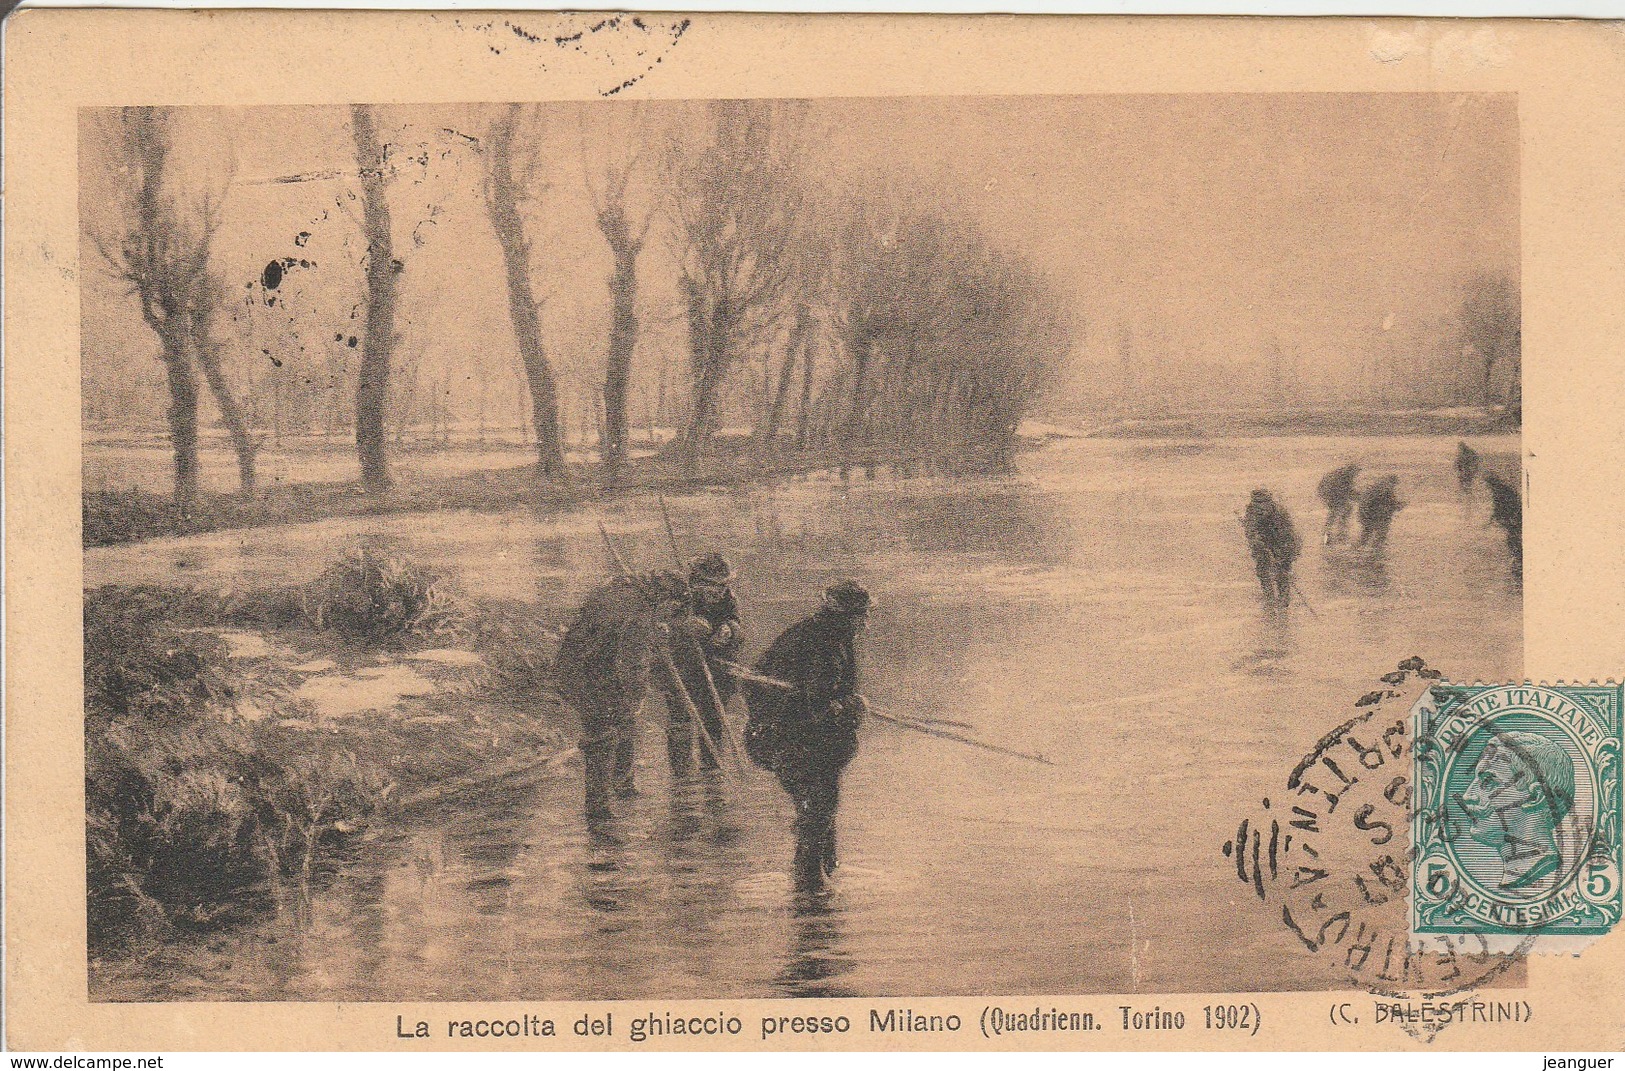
<point x="1516" y="829"/>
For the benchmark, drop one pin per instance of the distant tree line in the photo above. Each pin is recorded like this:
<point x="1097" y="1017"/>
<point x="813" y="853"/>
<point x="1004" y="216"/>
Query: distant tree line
<point x="1492" y="331"/>
<point x="1466" y="355"/>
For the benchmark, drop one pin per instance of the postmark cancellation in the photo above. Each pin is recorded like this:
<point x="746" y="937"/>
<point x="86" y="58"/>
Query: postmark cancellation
<point x="1510" y="797"/>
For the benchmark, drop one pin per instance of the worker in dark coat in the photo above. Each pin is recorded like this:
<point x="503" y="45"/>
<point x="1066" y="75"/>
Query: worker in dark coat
<point x="1466" y="465"/>
<point x="804" y="727"/>
<point x="708" y="633"/>
<point x="1336" y="489"/>
<point x="603" y="670"/>
<point x="1507" y="511"/>
<point x="1274" y="543"/>
<point x="1378" y="504"/>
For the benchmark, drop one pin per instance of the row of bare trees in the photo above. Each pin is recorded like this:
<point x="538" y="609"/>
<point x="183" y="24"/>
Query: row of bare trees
<point x="951" y="341"/>
<point x="162" y="255"/>
<point x="936" y="343"/>
<point x="833" y="321"/>
<point x="736" y="205"/>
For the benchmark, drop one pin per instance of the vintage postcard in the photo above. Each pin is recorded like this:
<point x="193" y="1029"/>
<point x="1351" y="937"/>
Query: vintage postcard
<point x="607" y="532"/>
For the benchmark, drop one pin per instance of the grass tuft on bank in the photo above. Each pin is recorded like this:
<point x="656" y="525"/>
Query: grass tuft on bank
<point x="372" y="597"/>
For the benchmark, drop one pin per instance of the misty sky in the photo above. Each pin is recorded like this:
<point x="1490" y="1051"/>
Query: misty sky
<point x="1217" y="220"/>
<point x="1206" y="224"/>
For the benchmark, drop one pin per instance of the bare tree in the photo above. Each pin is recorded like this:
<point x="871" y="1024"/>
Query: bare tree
<point x="372" y="387"/>
<point x="404" y="402"/>
<point x="162" y="251"/>
<point x="210" y="357"/>
<point x="883" y="265"/>
<point x="796" y="346"/>
<point x="947" y="341"/>
<point x="735" y="199"/>
<point x="809" y="355"/>
<point x="311" y="325"/>
<point x="623" y="141"/>
<point x="811" y="293"/>
<point x="1492" y="323"/>
<point x="510" y="173"/>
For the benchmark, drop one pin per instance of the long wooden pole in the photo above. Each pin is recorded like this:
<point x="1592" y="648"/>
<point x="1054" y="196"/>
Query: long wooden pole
<point x="614" y="554"/>
<point x="699" y="655"/>
<point x="969" y="741"/>
<point x="750" y="675"/>
<point x="665" y="658"/>
<point x="1290" y="579"/>
<point x="693" y="711"/>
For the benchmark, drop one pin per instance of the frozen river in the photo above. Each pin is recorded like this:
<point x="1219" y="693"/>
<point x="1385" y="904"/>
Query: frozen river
<point x="1099" y="608"/>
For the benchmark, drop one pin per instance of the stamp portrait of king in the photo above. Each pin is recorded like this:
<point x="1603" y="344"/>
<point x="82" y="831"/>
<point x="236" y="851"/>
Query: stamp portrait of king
<point x="1517" y="831"/>
<point x="1520" y="791"/>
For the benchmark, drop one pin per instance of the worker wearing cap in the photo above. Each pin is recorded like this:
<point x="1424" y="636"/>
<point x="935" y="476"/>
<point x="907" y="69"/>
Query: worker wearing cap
<point x="807" y="733"/>
<point x="709" y="632"/>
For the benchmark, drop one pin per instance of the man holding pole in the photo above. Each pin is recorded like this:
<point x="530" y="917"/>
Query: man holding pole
<point x="603" y="669"/>
<point x="804" y="725"/>
<point x="1274" y="544"/>
<point x="708" y="634"/>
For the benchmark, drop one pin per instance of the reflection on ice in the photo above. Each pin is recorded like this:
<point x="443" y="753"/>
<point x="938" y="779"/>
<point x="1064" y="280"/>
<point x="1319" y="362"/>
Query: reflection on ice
<point x="818" y="957"/>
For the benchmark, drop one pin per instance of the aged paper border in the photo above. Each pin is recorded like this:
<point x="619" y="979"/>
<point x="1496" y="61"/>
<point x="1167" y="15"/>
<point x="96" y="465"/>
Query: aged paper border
<point x="1570" y="80"/>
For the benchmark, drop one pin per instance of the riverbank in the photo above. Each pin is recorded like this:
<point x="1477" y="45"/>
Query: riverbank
<point x="469" y="476"/>
<point x="1459" y="421"/>
<point x="236" y="742"/>
<point x="129" y="515"/>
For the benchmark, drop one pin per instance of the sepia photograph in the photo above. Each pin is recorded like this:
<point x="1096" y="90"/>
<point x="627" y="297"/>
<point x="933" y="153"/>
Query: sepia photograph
<point x="772" y="547"/>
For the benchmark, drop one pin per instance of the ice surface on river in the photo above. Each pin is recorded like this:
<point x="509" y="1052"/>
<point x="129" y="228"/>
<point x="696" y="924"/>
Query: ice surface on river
<point x="1099" y="609"/>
